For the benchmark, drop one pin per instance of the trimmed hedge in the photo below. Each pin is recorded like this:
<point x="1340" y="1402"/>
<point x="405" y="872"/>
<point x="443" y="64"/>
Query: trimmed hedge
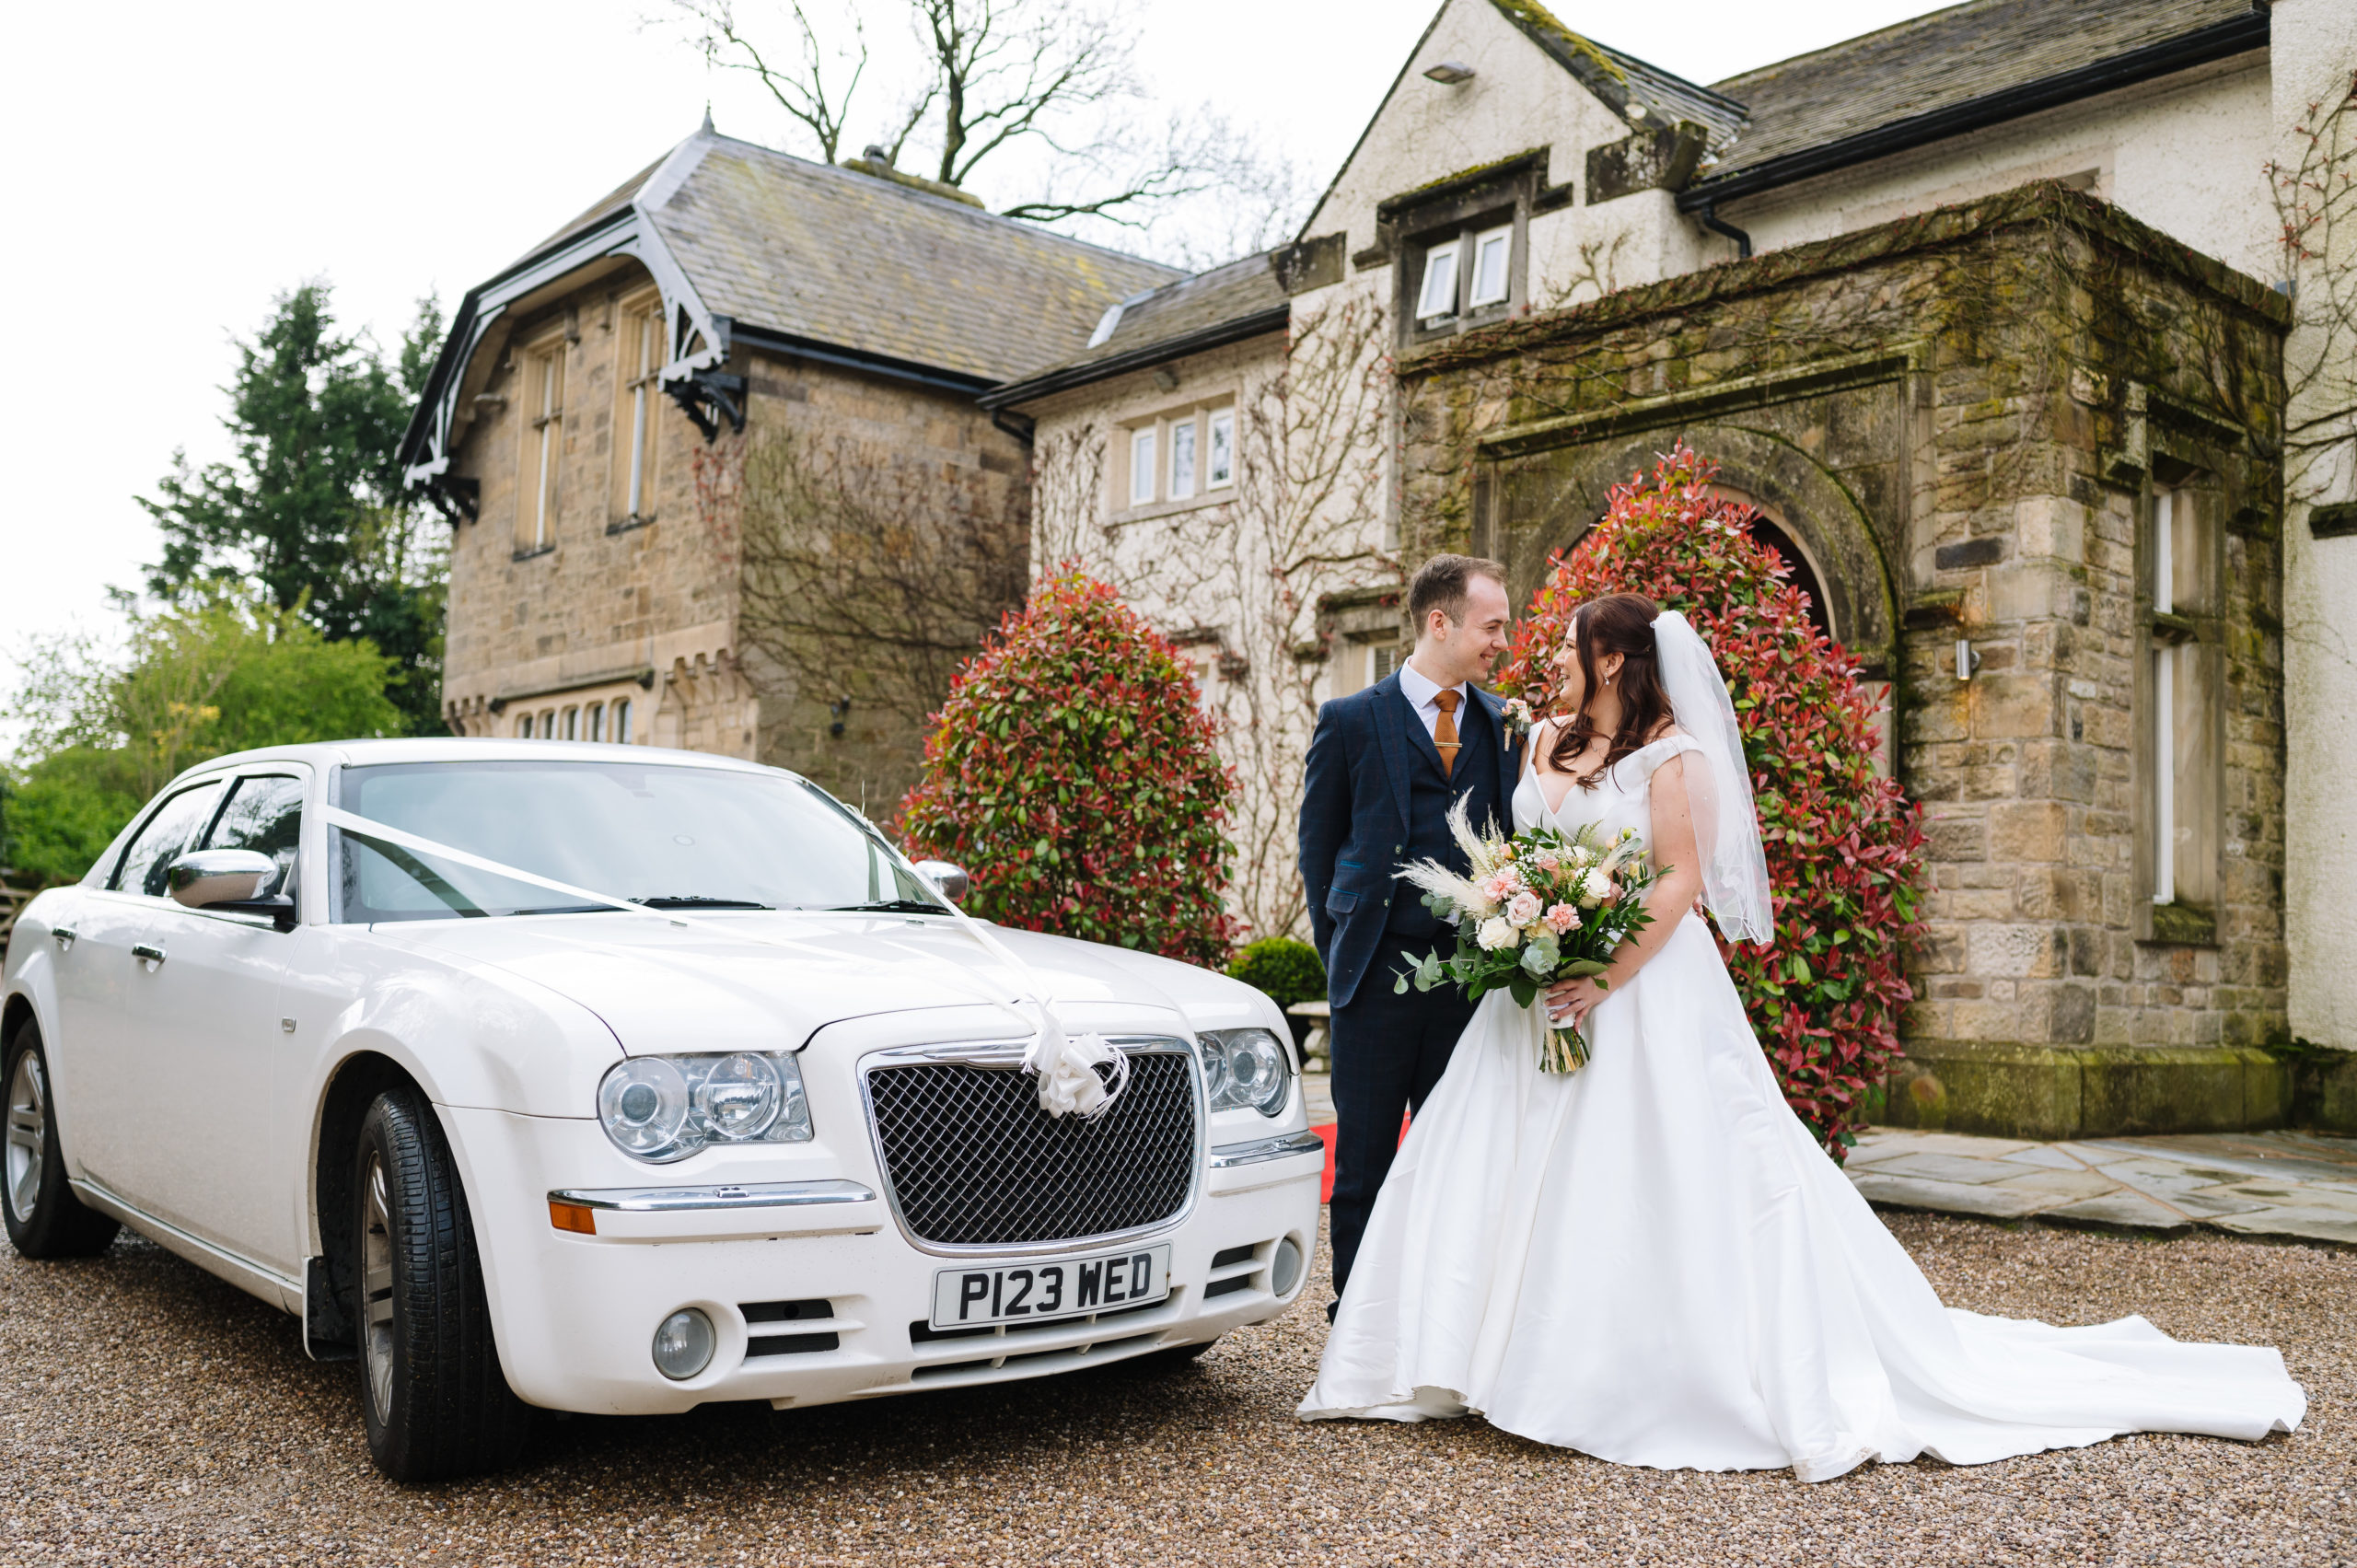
<point x="1289" y="971"/>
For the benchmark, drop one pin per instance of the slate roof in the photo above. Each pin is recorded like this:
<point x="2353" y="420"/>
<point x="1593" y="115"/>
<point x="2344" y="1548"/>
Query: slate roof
<point x="616" y="198"/>
<point x="1941" y="61"/>
<point x="1241" y="292"/>
<point x="836" y="257"/>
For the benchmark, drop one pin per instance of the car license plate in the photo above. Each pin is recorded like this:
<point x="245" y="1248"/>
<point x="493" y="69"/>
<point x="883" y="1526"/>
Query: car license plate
<point x="1061" y="1287"/>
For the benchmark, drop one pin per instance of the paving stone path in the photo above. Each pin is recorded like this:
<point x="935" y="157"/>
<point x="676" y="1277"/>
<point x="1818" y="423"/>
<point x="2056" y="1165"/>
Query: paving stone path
<point x="2301" y="1186"/>
<point x="2296" y="1185"/>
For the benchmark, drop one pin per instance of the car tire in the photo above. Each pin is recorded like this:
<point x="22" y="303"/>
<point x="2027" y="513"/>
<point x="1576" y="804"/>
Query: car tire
<point x="432" y="1394"/>
<point x="44" y="1218"/>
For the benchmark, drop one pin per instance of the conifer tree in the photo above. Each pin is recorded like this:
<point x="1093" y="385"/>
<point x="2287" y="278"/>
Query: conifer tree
<point x="311" y="506"/>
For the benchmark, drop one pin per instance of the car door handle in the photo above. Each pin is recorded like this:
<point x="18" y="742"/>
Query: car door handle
<point x="147" y="952"/>
<point x="65" y="934"/>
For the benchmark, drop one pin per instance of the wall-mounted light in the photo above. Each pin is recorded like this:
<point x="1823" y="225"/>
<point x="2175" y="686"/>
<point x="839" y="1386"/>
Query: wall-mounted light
<point x="835" y="711"/>
<point x="1967" y="661"/>
<point x="1448" y="73"/>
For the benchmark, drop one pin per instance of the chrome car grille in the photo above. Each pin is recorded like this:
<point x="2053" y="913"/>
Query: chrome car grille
<point x="971" y="1160"/>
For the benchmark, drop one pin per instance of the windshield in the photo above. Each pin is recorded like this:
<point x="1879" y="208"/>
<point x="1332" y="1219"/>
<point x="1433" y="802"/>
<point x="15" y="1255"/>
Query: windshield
<point x="669" y="837"/>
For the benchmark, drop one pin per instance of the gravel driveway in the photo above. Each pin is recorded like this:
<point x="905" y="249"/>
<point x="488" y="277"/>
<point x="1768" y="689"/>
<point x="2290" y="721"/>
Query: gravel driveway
<point x="149" y="1413"/>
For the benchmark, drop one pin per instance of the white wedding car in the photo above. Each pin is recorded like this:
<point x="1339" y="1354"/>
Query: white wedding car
<point x="336" y="1023"/>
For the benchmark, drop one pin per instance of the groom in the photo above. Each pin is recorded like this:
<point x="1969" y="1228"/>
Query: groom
<point x="1385" y="766"/>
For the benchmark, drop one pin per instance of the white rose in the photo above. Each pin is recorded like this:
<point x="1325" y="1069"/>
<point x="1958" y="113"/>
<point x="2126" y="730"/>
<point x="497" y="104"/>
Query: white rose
<point x="1497" y="934"/>
<point x="1523" y="909"/>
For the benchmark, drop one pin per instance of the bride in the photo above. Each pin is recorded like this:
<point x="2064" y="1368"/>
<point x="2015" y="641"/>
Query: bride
<point x="1651" y="1259"/>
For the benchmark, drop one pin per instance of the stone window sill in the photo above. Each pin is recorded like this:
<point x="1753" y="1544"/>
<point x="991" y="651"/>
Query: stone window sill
<point x="534" y="552"/>
<point x="626" y="524"/>
<point x="1220" y="497"/>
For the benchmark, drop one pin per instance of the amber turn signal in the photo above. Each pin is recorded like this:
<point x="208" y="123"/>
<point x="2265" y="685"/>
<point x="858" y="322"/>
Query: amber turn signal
<point x="578" y="1217"/>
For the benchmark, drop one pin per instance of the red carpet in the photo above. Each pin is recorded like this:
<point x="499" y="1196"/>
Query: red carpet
<point x="1325" y="1132"/>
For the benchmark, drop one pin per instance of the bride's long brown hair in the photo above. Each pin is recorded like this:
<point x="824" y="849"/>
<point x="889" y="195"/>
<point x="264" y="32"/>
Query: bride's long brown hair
<point x="1623" y="625"/>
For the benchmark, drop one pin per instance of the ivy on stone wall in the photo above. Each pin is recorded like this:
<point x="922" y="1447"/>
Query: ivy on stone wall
<point x="1844" y="846"/>
<point x="1074" y="774"/>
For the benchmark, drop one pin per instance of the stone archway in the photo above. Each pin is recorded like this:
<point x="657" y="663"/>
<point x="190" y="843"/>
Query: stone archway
<point x="1546" y="500"/>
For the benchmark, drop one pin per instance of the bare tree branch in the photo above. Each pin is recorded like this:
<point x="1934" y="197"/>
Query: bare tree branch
<point x="873" y="574"/>
<point x="1042" y="93"/>
<point x="803" y="93"/>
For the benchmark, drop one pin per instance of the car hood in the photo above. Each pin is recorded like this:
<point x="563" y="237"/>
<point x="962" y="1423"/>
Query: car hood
<point x="769" y="981"/>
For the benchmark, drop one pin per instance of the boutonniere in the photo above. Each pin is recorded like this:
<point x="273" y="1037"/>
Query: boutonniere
<point x="1516" y="714"/>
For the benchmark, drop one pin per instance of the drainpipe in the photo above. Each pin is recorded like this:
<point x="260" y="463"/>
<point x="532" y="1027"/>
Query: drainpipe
<point x="1716" y="224"/>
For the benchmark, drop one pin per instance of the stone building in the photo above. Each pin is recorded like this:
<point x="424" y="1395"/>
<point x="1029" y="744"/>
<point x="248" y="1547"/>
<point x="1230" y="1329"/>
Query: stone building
<point x="1990" y="313"/>
<point x="695" y="445"/>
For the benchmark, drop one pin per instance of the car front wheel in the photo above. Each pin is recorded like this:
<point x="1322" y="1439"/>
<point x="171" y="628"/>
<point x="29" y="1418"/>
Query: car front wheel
<point x="433" y="1396"/>
<point x="45" y="1220"/>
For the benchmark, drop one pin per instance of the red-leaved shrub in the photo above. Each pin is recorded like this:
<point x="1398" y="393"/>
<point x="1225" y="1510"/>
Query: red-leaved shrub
<point x="1073" y="774"/>
<point x="1844" y="847"/>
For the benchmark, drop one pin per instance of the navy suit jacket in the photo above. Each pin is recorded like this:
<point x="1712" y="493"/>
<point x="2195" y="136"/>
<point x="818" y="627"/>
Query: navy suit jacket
<point x="1354" y="813"/>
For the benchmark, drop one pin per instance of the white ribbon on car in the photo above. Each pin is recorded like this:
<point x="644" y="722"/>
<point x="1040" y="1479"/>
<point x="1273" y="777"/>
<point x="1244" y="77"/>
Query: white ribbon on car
<point x="1064" y="1065"/>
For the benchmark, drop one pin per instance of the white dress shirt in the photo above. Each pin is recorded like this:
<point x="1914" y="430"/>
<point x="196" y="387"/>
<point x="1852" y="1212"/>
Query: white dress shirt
<point x="1419" y="693"/>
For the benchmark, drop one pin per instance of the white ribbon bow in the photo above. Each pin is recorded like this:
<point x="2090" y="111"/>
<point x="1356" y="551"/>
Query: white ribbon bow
<point x="1066" y="1068"/>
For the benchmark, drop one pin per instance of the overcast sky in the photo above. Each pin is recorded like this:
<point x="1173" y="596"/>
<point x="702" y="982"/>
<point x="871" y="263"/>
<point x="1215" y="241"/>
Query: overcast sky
<point x="177" y="165"/>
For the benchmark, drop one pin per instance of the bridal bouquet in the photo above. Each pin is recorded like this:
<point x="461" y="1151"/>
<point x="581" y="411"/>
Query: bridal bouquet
<point x="1540" y="907"/>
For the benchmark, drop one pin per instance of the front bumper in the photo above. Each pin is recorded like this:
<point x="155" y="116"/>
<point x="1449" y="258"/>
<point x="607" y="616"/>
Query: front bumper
<point x="816" y="1294"/>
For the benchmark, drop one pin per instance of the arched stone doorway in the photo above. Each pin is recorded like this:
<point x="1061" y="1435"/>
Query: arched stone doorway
<point x="1545" y="500"/>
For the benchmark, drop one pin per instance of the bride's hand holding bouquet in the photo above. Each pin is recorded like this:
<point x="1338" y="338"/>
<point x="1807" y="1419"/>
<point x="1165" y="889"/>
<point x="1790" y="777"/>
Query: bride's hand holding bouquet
<point x="1533" y="910"/>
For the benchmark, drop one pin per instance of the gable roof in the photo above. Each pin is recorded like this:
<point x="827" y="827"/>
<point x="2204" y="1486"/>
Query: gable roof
<point x="836" y="257"/>
<point x="1224" y="304"/>
<point x="1956" y="70"/>
<point x="1640" y="93"/>
<point x="746" y="242"/>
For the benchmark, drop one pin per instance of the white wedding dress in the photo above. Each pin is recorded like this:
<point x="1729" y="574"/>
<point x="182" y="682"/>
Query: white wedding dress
<point x="1651" y="1260"/>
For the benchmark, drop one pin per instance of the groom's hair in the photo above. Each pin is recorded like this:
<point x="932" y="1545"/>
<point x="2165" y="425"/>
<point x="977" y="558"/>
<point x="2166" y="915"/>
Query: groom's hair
<point x="1441" y="584"/>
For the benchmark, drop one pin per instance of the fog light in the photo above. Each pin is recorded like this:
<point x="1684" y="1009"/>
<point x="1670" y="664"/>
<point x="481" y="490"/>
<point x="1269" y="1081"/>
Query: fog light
<point x="1284" y="1269"/>
<point x="683" y="1344"/>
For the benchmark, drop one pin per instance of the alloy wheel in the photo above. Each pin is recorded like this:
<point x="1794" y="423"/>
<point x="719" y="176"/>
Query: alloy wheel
<point x="377" y="1286"/>
<point x="28" y="1134"/>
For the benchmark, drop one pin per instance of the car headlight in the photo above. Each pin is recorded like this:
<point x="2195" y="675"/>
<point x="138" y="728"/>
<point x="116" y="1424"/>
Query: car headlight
<point x="660" y="1108"/>
<point x="1247" y="1068"/>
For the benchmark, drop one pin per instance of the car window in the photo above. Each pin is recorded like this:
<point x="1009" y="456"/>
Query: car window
<point x="263" y="814"/>
<point x="682" y="836"/>
<point x="159" y="843"/>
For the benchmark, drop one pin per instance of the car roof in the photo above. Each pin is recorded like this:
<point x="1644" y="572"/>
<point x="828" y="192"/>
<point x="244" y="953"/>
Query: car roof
<point x="460" y="749"/>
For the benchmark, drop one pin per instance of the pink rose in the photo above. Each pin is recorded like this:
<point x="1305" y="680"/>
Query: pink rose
<point x="1564" y="918"/>
<point x="1523" y="909"/>
<point x="1547" y="860"/>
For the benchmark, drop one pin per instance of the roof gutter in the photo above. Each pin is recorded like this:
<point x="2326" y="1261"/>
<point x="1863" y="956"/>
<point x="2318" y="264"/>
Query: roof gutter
<point x="2218" y="42"/>
<point x="1219" y="335"/>
<point x="882" y="365"/>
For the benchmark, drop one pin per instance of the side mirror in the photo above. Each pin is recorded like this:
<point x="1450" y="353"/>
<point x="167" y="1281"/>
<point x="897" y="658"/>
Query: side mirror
<point x="951" y="880"/>
<point x="230" y="880"/>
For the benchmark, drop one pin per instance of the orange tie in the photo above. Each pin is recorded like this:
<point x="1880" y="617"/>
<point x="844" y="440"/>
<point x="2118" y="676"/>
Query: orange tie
<point x="1444" y="731"/>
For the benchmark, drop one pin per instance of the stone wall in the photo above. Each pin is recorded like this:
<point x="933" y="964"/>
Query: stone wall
<point x="909" y="481"/>
<point x="657" y="608"/>
<point x="608" y="605"/>
<point x="1965" y="416"/>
